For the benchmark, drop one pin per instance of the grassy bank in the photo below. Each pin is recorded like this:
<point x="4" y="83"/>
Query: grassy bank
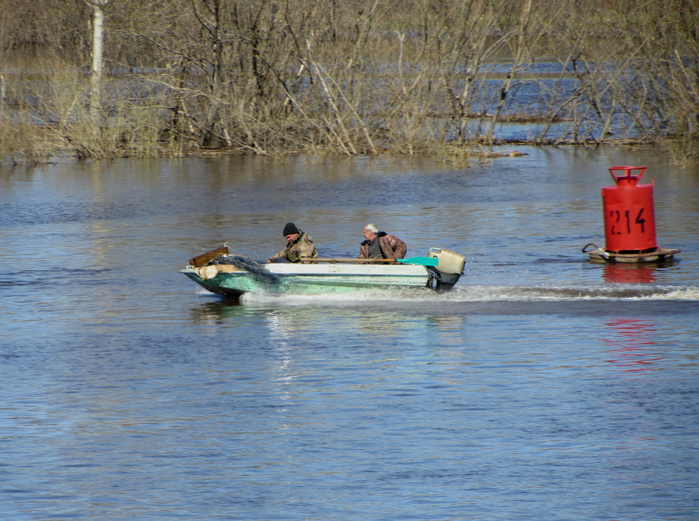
<point x="364" y="77"/>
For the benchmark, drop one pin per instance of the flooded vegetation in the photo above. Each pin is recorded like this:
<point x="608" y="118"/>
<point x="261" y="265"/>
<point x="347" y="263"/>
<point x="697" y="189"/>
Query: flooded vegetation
<point x="364" y="77"/>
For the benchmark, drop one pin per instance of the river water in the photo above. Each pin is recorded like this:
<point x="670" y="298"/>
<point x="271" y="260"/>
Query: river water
<point x="542" y="387"/>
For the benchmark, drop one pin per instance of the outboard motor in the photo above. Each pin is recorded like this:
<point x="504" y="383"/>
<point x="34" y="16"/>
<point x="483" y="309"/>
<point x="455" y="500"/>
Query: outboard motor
<point x="449" y="269"/>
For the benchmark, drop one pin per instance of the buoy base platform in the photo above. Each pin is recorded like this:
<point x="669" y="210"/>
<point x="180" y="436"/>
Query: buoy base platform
<point x="598" y="254"/>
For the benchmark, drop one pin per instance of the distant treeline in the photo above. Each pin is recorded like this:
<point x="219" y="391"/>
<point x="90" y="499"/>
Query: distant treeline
<point x="345" y="76"/>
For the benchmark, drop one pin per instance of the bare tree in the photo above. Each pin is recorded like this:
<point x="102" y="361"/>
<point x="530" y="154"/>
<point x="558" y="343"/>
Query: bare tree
<point x="351" y="77"/>
<point x="97" y="60"/>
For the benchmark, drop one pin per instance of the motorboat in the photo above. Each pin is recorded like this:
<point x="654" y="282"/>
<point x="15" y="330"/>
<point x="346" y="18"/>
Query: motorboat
<point x="223" y="273"/>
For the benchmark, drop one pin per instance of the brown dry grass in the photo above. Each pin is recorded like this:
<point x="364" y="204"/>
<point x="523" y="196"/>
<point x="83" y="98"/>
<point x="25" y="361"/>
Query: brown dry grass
<point x="363" y="77"/>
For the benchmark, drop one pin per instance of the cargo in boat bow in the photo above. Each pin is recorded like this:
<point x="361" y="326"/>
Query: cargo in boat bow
<point x="220" y="272"/>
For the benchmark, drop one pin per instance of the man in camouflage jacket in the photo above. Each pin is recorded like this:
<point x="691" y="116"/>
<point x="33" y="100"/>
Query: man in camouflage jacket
<point x="298" y="247"/>
<point x="381" y="245"/>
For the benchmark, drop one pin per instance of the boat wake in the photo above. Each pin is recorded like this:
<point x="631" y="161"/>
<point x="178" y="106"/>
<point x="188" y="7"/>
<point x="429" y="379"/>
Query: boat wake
<point x="489" y="294"/>
<point x="542" y="293"/>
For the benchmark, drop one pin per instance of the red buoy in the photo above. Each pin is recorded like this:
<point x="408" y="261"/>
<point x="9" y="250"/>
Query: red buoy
<point x="629" y="216"/>
<point x="629" y="221"/>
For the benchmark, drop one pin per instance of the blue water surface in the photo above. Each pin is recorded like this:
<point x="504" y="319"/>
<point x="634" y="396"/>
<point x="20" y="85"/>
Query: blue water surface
<point x="542" y="387"/>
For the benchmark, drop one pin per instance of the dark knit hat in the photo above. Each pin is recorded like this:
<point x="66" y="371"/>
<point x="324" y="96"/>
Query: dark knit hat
<point x="289" y="229"/>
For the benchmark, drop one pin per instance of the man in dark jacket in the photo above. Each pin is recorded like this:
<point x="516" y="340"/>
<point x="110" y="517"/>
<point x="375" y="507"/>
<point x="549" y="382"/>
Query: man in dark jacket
<point x="299" y="246"/>
<point x="381" y="245"/>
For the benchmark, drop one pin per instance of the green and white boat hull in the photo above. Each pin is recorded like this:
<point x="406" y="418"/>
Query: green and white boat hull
<point x="308" y="278"/>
